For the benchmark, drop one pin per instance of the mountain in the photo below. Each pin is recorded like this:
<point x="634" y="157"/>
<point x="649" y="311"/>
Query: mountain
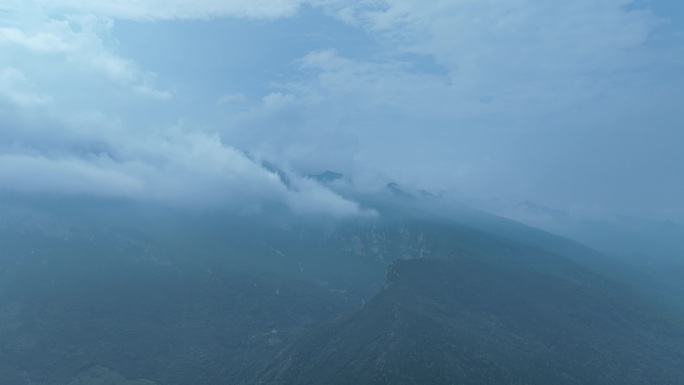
<point x="647" y="253"/>
<point x="79" y="303"/>
<point x="468" y="321"/>
<point x="539" y="211"/>
<point x="327" y="176"/>
<point x="639" y="239"/>
<point x="114" y="292"/>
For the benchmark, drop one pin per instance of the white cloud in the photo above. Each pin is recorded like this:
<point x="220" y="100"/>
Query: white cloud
<point x="15" y="88"/>
<point x="231" y="98"/>
<point x="149" y="91"/>
<point x="147" y="10"/>
<point x="309" y="197"/>
<point x="370" y="85"/>
<point x="70" y="149"/>
<point x="279" y="100"/>
<point x="439" y="86"/>
<point x="177" y="166"/>
<point x="80" y="52"/>
<point x="38" y="173"/>
<point x="39" y="42"/>
<point x="518" y="53"/>
<point x="452" y="81"/>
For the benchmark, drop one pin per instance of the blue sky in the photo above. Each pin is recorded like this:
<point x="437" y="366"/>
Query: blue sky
<point x="574" y="105"/>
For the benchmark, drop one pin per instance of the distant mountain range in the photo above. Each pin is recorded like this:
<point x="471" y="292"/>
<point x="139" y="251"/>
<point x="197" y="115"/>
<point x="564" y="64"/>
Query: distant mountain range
<point x="614" y="234"/>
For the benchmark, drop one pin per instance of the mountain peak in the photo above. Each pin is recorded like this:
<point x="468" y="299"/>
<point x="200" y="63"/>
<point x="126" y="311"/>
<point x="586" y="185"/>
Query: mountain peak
<point x="326" y="176"/>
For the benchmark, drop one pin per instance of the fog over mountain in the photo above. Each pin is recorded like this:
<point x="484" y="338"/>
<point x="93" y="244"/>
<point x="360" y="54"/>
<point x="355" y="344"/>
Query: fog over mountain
<point x="341" y="192"/>
<point x="111" y="291"/>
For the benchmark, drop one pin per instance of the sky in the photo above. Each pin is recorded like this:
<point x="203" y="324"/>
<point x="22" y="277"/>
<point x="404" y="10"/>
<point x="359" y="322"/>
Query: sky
<point x="573" y="105"/>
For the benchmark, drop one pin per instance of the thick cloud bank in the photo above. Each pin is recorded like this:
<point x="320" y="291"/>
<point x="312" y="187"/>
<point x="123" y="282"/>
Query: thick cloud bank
<point x="175" y="166"/>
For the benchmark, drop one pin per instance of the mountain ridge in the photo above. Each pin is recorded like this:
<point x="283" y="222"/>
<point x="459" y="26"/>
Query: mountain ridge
<point x="216" y="297"/>
<point x="422" y="328"/>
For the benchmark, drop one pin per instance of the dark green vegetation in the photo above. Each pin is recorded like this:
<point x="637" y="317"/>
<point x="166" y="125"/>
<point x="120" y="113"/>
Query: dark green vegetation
<point x="96" y="294"/>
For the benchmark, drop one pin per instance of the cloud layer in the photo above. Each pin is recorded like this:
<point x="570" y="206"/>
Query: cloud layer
<point x="513" y="100"/>
<point x="178" y="166"/>
<point x="508" y="100"/>
<point x="79" y="118"/>
<point x="148" y="10"/>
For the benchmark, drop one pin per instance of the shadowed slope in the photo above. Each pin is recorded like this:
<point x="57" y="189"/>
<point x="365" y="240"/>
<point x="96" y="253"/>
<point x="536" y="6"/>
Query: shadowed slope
<point x="469" y="321"/>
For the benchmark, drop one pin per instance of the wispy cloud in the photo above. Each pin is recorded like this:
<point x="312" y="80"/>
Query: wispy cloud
<point x="231" y="98"/>
<point x="39" y="42"/>
<point x="76" y="48"/>
<point x="16" y="89"/>
<point x="147" y="10"/>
